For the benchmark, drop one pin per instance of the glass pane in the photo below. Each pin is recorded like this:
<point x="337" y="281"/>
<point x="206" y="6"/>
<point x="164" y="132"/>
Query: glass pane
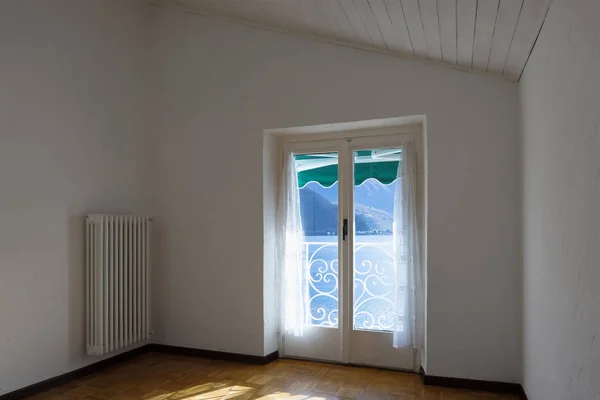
<point x="319" y="211"/>
<point x="373" y="240"/>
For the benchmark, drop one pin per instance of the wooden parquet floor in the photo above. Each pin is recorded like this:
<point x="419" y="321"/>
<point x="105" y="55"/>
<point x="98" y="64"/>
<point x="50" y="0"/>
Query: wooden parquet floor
<point x="155" y="376"/>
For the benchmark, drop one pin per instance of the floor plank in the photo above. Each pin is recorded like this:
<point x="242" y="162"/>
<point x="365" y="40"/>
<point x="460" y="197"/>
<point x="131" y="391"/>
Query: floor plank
<point x="157" y="376"/>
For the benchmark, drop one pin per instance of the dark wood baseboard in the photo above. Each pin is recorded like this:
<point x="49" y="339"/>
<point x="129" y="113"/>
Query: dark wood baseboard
<point x="63" y="379"/>
<point x="473" y="384"/>
<point x="523" y="394"/>
<point x="429" y="380"/>
<point x="215" y="355"/>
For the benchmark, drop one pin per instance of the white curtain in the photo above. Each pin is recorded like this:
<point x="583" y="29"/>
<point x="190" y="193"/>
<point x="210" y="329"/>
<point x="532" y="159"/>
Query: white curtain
<point x="409" y="289"/>
<point x="289" y="250"/>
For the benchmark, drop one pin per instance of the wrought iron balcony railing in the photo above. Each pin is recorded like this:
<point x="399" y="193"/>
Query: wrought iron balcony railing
<point x="373" y="294"/>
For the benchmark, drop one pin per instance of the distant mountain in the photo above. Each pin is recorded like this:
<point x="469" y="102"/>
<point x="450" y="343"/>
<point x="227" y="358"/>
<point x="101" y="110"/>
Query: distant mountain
<point x="330" y="193"/>
<point x="370" y="193"/>
<point x="373" y="218"/>
<point x="320" y="215"/>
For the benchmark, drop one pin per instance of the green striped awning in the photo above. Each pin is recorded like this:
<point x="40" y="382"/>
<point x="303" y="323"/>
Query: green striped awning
<point x="381" y="165"/>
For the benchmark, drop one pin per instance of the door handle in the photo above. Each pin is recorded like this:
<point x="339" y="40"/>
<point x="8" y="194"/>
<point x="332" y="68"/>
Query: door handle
<point x="345" y="229"/>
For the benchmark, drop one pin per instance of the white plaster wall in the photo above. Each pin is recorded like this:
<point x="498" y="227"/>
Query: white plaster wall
<point x="271" y="165"/>
<point x="70" y="125"/>
<point x="219" y="85"/>
<point x="560" y="95"/>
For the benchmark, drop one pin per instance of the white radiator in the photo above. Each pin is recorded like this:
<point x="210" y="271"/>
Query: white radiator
<point x="117" y="281"/>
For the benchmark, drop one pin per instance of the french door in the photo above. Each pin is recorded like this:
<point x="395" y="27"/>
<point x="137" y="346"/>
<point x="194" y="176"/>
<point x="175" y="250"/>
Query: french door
<point x="347" y="196"/>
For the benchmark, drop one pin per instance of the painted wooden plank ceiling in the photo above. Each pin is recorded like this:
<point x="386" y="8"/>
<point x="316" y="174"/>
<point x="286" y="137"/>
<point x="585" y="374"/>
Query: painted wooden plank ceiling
<point x="489" y="36"/>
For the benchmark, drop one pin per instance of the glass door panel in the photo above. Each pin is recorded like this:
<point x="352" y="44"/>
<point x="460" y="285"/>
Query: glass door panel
<point x="318" y="182"/>
<point x="373" y="276"/>
<point x="373" y="259"/>
<point x="319" y="211"/>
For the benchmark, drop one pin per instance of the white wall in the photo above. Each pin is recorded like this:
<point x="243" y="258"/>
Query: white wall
<point x="219" y="85"/>
<point x="271" y="176"/>
<point x="560" y="94"/>
<point x="70" y="120"/>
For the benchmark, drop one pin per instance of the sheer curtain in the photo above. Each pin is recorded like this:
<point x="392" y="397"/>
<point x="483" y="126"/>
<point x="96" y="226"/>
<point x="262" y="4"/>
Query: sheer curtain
<point x="289" y="250"/>
<point x="409" y="289"/>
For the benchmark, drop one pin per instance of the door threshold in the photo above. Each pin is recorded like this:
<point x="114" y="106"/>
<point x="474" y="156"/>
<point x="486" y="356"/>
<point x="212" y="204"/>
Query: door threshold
<point x="321" y="361"/>
<point x="317" y="360"/>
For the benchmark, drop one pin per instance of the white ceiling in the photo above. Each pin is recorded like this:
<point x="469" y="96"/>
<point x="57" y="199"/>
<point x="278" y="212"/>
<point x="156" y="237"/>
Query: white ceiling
<point x="491" y="36"/>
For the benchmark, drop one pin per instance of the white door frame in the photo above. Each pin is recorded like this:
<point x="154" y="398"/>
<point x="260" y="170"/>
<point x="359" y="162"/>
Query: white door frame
<point x="344" y="143"/>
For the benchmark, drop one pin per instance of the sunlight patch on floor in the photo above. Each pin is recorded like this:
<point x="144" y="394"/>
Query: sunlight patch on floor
<point x="288" y="396"/>
<point x="199" y="393"/>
